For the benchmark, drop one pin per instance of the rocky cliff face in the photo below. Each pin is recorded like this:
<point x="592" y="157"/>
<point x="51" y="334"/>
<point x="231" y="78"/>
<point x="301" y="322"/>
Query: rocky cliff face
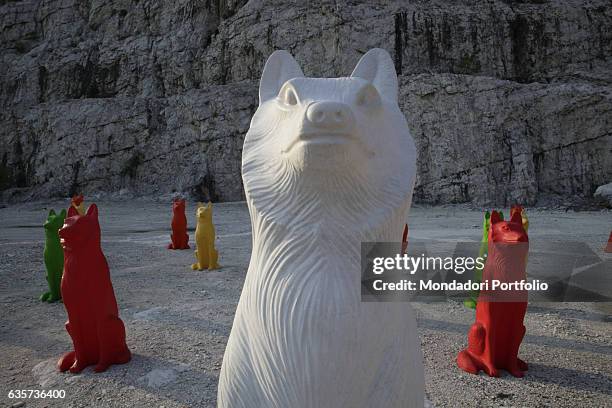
<point x="507" y="100"/>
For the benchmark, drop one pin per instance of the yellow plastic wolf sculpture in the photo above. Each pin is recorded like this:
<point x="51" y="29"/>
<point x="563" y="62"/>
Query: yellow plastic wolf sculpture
<point x="206" y="255"/>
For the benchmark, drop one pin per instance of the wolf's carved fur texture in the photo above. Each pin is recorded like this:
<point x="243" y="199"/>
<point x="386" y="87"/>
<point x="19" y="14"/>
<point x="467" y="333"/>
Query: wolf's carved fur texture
<point x="327" y="164"/>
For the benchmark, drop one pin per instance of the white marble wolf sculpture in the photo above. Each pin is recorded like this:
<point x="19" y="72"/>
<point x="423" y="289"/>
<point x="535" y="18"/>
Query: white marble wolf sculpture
<point x="327" y="164"/>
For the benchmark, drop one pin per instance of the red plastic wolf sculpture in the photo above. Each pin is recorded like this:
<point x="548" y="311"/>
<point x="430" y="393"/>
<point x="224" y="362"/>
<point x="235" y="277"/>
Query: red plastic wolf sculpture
<point x="405" y="239"/>
<point x="77" y="204"/>
<point x="97" y="332"/>
<point x="494" y="339"/>
<point x="179" y="235"/>
<point x="516" y="209"/>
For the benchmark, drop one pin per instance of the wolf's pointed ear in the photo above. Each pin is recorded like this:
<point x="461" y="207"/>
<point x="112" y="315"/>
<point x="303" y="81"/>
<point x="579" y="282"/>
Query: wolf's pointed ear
<point x="200" y="204"/>
<point x="377" y="67"/>
<point x="72" y="211"/>
<point x="51" y="212"/>
<point x="280" y="67"/>
<point x="495" y="218"/>
<point x="516" y="217"/>
<point x="63" y="213"/>
<point x="92" y="211"/>
<point x="516" y="209"/>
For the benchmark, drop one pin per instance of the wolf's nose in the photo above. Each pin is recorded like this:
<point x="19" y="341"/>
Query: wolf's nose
<point x="330" y="115"/>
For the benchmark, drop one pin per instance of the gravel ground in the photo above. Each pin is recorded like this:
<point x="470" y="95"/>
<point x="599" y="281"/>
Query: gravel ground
<point x="178" y="320"/>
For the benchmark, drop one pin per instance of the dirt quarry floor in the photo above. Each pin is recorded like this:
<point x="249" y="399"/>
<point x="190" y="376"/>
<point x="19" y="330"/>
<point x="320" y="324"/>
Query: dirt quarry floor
<point x="178" y="320"/>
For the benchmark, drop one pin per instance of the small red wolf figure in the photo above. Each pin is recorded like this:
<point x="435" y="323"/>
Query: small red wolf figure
<point x="494" y="339"/>
<point x="405" y="239"/>
<point x="77" y="203"/>
<point x="97" y="332"/>
<point x="519" y="209"/>
<point x="179" y="235"/>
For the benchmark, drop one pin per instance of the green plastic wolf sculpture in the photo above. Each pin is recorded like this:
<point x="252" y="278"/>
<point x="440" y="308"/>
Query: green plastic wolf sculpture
<point x="482" y="253"/>
<point x="54" y="256"/>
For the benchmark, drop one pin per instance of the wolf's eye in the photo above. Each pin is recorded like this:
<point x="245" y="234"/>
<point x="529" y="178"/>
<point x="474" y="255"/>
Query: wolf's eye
<point x="368" y="97"/>
<point x="289" y="97"/>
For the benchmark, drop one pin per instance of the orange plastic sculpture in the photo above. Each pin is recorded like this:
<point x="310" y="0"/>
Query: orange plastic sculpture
<point x="97" y="332"/>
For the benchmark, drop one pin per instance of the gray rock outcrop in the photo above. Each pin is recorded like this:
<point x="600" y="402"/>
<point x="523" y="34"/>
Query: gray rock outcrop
<point x="508" y="101"/>
<point x="603" y="195"/>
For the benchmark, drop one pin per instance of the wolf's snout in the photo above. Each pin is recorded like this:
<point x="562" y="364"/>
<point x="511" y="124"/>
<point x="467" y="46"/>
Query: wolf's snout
<point x="330" y="115"/>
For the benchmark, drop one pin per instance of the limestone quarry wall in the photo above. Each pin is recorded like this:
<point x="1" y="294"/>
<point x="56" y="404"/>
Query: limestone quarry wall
<point x="507" y="100"/>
